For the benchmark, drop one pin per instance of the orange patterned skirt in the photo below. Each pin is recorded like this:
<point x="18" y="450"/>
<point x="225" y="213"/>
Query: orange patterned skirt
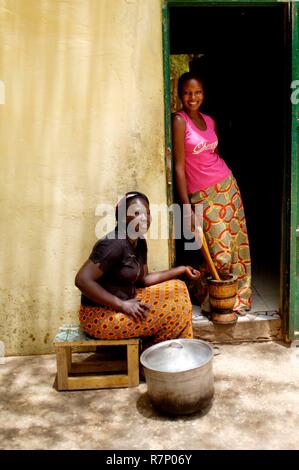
<point x="225" y="229"/>
<point x="169" y="316"/>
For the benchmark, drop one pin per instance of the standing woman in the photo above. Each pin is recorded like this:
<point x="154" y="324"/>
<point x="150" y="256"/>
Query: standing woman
<point x="202" y="177"/>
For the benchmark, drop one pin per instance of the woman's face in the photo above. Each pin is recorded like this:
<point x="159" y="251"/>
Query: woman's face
<point x="138" y="218"/>
<point x="192" y="95"/>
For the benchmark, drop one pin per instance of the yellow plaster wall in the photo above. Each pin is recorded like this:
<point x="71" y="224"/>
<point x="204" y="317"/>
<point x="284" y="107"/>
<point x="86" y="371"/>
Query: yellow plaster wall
<point x="82" y="123"/>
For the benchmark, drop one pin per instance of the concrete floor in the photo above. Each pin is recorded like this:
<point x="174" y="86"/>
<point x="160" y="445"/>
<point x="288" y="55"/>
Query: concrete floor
<point x="265" y="290"/>
<point x="256" y="406"/>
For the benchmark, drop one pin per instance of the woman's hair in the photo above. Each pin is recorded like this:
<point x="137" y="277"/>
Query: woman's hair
<point x="185" y="77"/>
<point x="128" y="197"/>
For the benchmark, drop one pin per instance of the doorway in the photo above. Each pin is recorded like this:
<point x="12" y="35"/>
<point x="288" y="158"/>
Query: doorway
<point x="241" y="52"/>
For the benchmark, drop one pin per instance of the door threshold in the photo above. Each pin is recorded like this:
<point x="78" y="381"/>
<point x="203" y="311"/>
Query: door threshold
<point x="263" y="325"/>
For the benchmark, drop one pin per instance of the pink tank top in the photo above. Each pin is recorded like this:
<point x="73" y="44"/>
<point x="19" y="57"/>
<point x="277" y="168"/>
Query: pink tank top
<point x="203" y="166"/>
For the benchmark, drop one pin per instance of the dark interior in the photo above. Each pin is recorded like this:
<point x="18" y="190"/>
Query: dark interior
<point x="245" y="67"/>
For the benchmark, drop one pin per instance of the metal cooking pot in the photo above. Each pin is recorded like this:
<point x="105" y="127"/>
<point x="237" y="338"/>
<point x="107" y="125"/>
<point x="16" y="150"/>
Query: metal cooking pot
<point x="179" y="375"/>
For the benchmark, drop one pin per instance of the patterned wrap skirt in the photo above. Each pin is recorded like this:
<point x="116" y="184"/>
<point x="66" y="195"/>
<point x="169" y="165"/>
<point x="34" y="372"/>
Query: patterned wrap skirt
<point x="225" y="229"/>
<point x="169" y="316"/>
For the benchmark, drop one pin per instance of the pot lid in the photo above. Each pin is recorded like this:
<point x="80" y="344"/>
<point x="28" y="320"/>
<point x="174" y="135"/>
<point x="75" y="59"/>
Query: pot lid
<point x="177" y="355"/>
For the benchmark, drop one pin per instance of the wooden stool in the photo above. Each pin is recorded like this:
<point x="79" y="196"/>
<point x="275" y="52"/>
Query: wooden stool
<point x="70" y="336"/>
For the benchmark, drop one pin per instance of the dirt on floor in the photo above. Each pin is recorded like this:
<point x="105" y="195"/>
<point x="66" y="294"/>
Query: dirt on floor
<point x="256" y="406"/>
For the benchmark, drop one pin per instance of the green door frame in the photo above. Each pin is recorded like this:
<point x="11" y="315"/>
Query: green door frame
<point x="290" y="236"/>
<point x="293" y="323"/>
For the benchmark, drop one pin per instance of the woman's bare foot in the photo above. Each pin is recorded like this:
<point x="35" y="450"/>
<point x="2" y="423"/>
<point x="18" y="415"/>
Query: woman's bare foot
<point x="241" y="311"/>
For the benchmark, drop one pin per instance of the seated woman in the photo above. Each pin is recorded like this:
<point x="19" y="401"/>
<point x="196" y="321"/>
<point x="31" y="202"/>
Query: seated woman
<point x="120" y="299"/>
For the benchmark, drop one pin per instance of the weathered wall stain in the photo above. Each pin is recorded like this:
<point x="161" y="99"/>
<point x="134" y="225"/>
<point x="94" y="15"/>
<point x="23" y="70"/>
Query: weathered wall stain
<point x="82" y="123"/>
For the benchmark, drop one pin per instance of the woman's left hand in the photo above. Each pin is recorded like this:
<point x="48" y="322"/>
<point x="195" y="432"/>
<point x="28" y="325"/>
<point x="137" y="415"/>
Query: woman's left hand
<point x="192" y="273"/>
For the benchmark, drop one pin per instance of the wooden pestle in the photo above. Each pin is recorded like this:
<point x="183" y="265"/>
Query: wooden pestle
<point x="201" y="239"/>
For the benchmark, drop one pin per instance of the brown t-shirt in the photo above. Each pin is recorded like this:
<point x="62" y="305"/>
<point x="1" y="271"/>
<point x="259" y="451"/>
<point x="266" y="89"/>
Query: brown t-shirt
<point x="122" y="264"/>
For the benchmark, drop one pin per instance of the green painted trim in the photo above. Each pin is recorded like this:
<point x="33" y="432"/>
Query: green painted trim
<point x="293" y="330"/>
<point x="168" y="139"/>
<point x="286" y="190"/>
<point x="191" y="3"/>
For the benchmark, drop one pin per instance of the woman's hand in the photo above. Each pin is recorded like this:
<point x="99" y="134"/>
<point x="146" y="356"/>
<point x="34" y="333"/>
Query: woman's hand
<point x="135" y="308"/>
<point x="192" y="273"/>
<point x="189" y="221"/>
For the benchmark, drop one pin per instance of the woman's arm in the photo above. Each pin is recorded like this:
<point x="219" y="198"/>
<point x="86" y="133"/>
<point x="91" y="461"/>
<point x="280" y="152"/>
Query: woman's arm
<point x="178" y="138"/>
<point x="86" y="279"/>
<point x="161" y="276"/>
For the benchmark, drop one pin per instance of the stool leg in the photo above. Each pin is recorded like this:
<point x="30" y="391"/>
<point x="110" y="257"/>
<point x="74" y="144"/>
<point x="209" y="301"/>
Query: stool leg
<point x="69" y="358"/>
<point x="62" y="368"/>
<point x="133" y="365"/>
